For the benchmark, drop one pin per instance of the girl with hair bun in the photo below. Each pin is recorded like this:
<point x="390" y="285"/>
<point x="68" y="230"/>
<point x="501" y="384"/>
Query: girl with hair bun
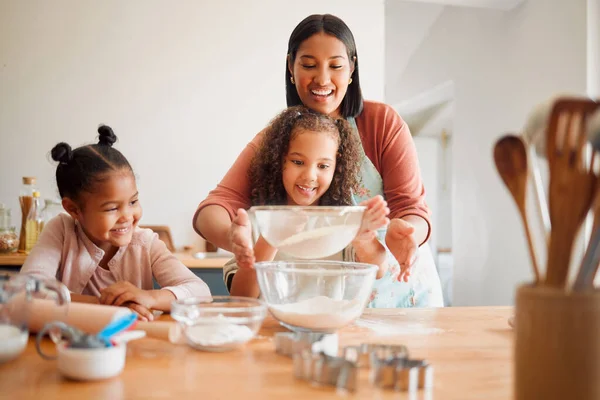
<point x="97" y="250"/>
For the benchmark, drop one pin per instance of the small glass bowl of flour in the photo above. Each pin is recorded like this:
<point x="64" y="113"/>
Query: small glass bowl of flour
<point x="218" y="323"/>
<point x="307" y="232"/>
<point x="315" y="296"/>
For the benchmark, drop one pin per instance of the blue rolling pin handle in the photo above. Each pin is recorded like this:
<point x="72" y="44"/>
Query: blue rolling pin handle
<point x="117" y="326"/>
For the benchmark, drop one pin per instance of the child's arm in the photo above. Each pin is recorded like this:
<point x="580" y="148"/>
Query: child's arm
<point x="371" y="251"/>
<point x="126" y="294"/>
<point x="175" y="279"/>
<point x="368" y="249"/>
<point x="244" y="281"/>
<point x="44" y="259"/>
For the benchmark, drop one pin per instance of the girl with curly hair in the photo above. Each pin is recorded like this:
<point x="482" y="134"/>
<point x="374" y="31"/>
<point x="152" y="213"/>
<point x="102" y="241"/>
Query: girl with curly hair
<point x="322" y="73"/>
<point x="306" y="159"/>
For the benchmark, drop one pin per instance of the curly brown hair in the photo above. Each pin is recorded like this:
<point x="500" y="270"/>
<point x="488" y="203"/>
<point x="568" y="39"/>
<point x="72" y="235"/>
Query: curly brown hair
<point x="266" y="169"/>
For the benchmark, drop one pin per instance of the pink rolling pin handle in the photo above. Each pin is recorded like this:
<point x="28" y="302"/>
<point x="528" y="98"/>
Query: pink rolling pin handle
<point x="169" y="331"/>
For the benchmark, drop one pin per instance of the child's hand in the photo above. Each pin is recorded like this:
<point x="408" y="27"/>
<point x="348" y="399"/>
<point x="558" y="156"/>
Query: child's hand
<point x="123" y="292"/>
<point x="144" y="314"/>
<point x="401" y="241"/>
<point x="374" y="218"/>
<point x="240" y="236"/>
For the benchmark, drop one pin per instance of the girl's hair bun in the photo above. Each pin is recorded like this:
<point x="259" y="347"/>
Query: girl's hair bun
<point x="62" y="153"/>
<point x="107" y="136"/>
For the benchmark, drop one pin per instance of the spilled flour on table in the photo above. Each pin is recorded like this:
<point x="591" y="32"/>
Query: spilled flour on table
<point x="392" y="328"/>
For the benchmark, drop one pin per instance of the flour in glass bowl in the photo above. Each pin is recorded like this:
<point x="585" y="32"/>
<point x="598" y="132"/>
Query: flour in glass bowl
<point x="318" y="313"/>
<point x="217" y="333"/>
<point x="319" y="243"/>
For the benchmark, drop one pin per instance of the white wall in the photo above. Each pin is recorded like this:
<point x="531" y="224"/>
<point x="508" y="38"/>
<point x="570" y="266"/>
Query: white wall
<point x="502" y="64"/>
<point x="184" y="84"/>
<point x="430" y="173"/>
<point x="593" y="47"/>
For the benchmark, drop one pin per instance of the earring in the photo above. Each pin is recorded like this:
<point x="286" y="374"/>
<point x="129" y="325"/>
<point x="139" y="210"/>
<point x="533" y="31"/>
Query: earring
<point x="292" y="80"/>
<point x="350" y="81"/>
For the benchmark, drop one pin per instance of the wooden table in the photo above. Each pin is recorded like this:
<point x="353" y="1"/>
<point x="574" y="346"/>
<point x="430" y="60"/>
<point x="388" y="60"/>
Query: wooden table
<point x="470" y="349"/>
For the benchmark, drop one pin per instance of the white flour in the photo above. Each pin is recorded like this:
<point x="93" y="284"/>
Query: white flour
<point x="320" y="242"/>
<point x="318" y="313"/>
<point x="387" y="328"/>
<point x="218" y="334"/>
<point x="12" y="342"/>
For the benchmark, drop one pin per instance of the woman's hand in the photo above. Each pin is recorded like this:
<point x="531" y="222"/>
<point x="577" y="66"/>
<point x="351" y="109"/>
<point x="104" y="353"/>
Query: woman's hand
<point x="374" y="218"/>
<point x="123" y="292"/>
<point x="401" y="241"/>
<point x="240" y="236"/>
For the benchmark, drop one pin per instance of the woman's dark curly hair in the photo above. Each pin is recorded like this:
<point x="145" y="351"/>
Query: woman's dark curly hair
<point x="266" y="169"/>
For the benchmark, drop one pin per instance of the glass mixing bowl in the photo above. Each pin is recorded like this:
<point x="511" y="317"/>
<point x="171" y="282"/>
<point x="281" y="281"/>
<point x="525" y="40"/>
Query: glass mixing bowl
<point x="218" y="323"/>
<point x="307" y="232"/>
<point x="315" y="296"/>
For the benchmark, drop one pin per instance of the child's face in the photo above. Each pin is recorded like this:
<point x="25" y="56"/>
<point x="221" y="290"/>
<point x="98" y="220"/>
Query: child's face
<point x="110" y="214"/>
<point x="309" y="166"/>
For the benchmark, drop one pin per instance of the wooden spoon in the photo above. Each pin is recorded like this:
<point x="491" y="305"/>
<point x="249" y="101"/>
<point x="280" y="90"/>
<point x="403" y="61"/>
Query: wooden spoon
<point x="572" y="183"/>
<point x="591" y="259"/>
<point x="510" y="155"/>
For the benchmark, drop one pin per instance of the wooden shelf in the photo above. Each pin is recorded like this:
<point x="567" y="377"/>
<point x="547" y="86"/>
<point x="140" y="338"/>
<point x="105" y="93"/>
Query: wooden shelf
<point x="17" y="259"/>
<point x="12" y="259"/>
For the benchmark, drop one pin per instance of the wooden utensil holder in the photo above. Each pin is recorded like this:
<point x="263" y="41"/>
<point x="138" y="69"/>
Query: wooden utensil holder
<point x="557" y="344"/>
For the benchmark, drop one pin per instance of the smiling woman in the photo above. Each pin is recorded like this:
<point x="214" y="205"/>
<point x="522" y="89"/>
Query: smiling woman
<point x="322" y="73"/>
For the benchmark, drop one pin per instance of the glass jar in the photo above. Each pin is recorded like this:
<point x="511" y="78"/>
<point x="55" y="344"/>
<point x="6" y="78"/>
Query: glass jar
<point x="34" y="224"/>
<point x="26" y="200"/>
<point x="9" y="240"/>
<point x="52" y="208"/>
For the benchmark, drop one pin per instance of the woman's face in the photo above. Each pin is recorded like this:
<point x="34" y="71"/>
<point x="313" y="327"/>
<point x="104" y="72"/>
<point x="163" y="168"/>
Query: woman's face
<point x="321" y="72"/>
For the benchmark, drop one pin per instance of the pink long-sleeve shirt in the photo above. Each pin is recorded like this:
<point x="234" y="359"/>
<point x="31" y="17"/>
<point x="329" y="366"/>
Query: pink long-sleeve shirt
<point x="64" y="252"/>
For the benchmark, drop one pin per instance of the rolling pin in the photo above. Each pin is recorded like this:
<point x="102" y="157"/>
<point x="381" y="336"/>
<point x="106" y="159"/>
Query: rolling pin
<point x="91" y="318"/>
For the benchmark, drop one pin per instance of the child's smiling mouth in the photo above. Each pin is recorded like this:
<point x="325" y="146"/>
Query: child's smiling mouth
<point x="121" y="231"/>
<point x="306" y="189"/>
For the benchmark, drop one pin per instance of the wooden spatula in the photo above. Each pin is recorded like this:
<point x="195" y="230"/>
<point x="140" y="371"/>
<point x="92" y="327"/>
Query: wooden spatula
<point x="591" y="260"/>
<point x="510" y="155"/>
<point x="572" y="183"/>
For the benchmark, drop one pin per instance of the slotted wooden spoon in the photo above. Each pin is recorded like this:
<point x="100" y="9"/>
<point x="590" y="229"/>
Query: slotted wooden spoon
<point x="572" y="183"/>
<point x="591" y="259"/>
<point x="510" y="156"/>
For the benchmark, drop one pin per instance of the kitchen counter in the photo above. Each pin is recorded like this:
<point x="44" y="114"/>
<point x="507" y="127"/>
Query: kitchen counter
<point x="470" y="349"/>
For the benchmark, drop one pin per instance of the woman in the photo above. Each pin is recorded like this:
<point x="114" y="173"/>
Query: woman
<point x="322" y="74"/>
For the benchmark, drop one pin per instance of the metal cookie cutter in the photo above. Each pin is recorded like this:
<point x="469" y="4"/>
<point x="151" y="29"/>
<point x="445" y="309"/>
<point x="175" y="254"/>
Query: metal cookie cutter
<point x="401" y="374"/>
<point x="322" y="369"/>
<point x="290" y="343"/>
<point x="364" y="353"/>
